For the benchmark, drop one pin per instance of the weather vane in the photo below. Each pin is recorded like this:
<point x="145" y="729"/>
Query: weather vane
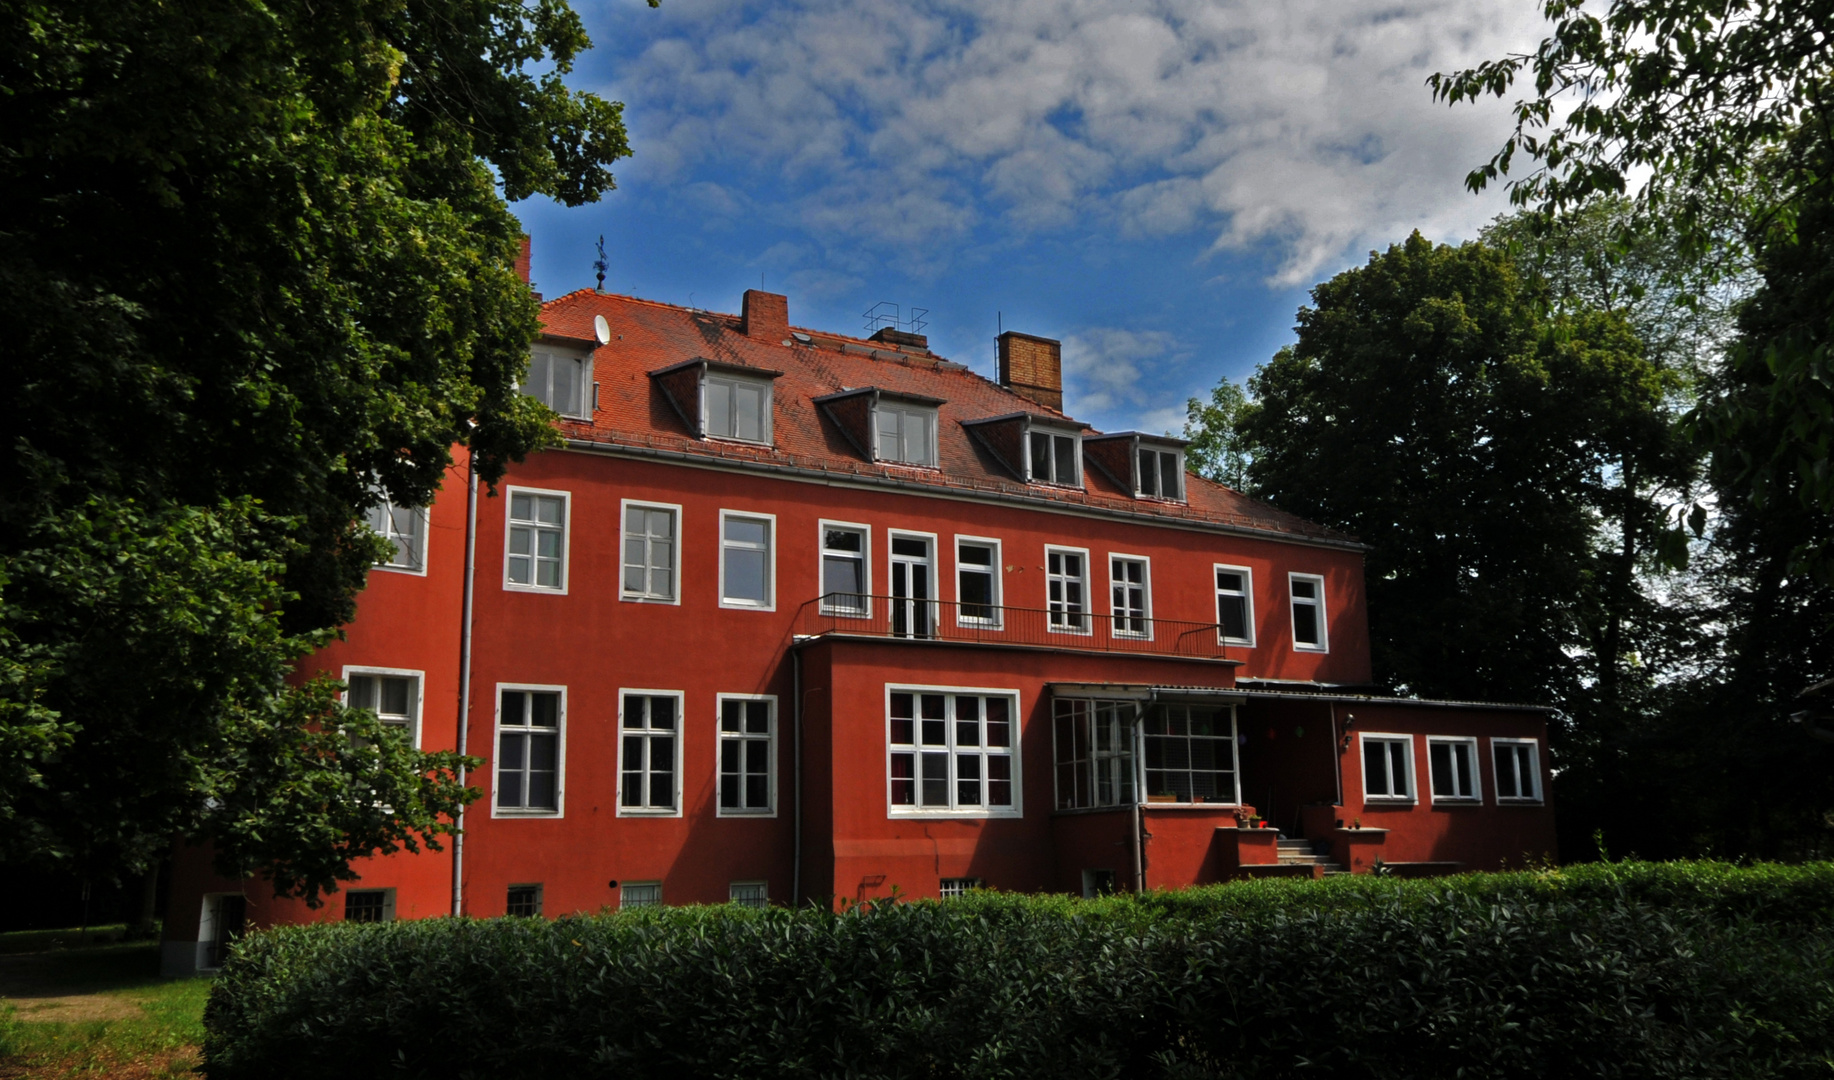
<point x="600" y="264"/>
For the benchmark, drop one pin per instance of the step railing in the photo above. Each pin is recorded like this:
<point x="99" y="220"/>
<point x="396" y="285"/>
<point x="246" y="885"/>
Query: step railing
<point x="903" y="617"/>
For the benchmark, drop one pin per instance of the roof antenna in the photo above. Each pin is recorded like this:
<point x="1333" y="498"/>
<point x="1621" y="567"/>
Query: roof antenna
<point x="600" y="264"/>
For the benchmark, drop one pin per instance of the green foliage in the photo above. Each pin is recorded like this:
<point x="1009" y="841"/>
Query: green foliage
<point x="255" y="273"/>
<point x="1217" y="449"/>
<point x="1616" y="970"/>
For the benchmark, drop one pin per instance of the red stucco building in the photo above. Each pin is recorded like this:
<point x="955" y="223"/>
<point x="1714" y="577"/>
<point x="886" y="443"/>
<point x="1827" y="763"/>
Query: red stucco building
<point x="801" y="617"/>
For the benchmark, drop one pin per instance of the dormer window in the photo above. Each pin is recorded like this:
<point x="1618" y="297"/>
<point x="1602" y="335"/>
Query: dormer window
<point x="904" y="432"/>
<point x="1054" y="457"/>
<point x="1161" y="473"/>
<point x="557" y="379"/>
<point x="736" y="407"/>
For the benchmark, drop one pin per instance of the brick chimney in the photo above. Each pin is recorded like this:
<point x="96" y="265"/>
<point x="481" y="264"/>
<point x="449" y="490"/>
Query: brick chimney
<point x="1032" y="367"/>
<point x="767" y="316"/>
<point x="523" y="258"/>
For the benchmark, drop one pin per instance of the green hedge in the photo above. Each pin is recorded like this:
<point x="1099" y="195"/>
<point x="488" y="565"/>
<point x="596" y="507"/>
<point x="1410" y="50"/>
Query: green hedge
<point x="1685" y="970"/>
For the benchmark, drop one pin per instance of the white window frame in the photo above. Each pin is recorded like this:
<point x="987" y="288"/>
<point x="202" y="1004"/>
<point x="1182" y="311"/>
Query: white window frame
<point x="1534" y="763"/>
<point x="719" y="748"/>
<point x="540" y="897"/>
<point x="624" y="900"/>
<point x="1076" y="453"/>
<point x="420" y="691"/>
<point x="586" y="387"/>
<point x="763" y="887"/>
<point x="1177" y="454"/>
<point x="932" y="563"/>
<point x="1248" y="604"/>
<point x="997" y="570"/>
<point x="210" y="912"/>
<point x="865" y="557"/>
<point x="929" y="415"/>
<point x="1015" y="720"/>
<point x="681" y="746"/>
<point x="1088" y="615"/>
<point x="770" y="561"/>
<point x="1477" y="770"/>
<point x="711" y="375"/>
<point x="566" y="539"/>
<point x="954" y="888"/>
<point x="1413" y="768"/>
<point x="388" y="903"/>
<point x="387" y="532"/>
<point x="1146" y="588"/>
<point x="1143" y="785"/>
<point x="560" y="753"/>
<point x="624" y="507"/>
<point x="1292" y="601"/>
<point x="1118" y="767"/>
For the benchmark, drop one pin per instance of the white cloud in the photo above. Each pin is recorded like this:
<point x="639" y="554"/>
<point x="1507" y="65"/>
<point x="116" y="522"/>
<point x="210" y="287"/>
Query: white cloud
<point x="1107" y="372"/>
<point x="926" y="127"/>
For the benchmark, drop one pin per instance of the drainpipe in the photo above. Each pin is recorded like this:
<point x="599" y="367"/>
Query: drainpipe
<point x="1337" y="753"/>
<point x="796" y="855"/>
<point x="1139" y="829"/>
<point x="464" y="705"/>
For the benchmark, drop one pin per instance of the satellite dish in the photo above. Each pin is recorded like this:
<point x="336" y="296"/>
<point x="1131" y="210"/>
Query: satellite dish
<point x="602" y="329"/>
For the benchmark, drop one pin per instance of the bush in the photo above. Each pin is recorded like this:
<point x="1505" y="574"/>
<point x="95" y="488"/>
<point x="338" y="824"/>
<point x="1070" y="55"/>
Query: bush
<point x="1695" y="970"/>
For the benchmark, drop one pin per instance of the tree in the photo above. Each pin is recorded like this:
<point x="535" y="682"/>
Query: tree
<point x="1216" y="449"/>
<point x="256" y="273"/>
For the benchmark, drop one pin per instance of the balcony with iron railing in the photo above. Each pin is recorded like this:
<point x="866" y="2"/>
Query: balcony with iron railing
<point x="1058" y="627"/>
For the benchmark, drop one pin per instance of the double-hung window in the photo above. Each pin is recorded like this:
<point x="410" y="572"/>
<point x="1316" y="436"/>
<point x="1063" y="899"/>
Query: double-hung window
<point x="651" y="551"/>
<point x="536" y="559"/>
<point x="394" y="696"/>
<point x="1518" y="772"/>
<point x="529" y="750"/>
<point x="405" y="528"/>
<point x="1094" y="752"/>
<point x="904" y="433"/>
<point x="953" y="751"/>
<point x="557" y="380"/>
<point x="1235" y="605"/>
<point x="1190" y="754"/>
<point x="1066" y="585"/>
<point x="747" y="728"/>
<point x="1130" y="596"/>
<point x="1452" y="767"/>
<point x="843" y="569"/>
<point x="1052" y="458"/>
<point x="650" y="748"/>
<point x="737" y="408"/>
<point x="1308" y="593"/>
<point x="1161" y="473"/>
<point x="748" y="571"/>
<point x="977" y="582"/>
<point x="1388" y="768"/>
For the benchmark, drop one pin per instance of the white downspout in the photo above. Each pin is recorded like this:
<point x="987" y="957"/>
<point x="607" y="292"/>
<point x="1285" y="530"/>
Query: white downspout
<point x="464" y="704"/>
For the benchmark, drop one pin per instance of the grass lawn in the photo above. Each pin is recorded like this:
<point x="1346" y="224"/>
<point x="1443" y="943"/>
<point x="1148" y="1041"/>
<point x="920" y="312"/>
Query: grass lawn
<point x="94" y="1007"/>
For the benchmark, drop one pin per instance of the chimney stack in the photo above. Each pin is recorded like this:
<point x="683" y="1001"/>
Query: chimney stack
<point x="523" y="258"/>
<point x="1032" y="367"/>
<point x="767" y="316"/>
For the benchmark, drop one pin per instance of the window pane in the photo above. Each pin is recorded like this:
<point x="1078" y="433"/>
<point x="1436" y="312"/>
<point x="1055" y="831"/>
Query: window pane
<point x="888" y="436"/>
<point x="1397" y="761"/>
<point x="935" y="779"/>
<point x="748" y="412"/>
<point x="1461" y="758"/>
<point x="719" y="408"/>
<point x="1149" y="473"/>
<point x="544" y="710"/>
<point x="903" y="780"/>
<point x="362" y="692"/>
<point x="662" y="713"/>
<point x="758" y="717"/>
<point x="1170" y="476"/>
<point x="1041" y="456"/>
<point x="1439" y="761"/>
<point x="1064" y="449"/>
<point x="395" y="696"/>
<point x="1304" y="589"/>
<point x="745" y="572"/>
<point x="1232" y="615"/>
<point x="842" y="540"/>
<point x="1375" y="769"/>
<point x="729" y="715"/>
<point x="1305" y="624"/>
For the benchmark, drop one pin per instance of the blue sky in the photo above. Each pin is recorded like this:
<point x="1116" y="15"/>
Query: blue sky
<point x="1156" y="183"/>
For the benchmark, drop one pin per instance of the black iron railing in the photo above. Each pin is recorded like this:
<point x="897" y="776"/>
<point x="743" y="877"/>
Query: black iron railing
<point x="857" y="614"/>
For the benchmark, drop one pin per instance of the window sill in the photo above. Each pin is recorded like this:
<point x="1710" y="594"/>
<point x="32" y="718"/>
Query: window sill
<point x="958" y="815"/>
<point x="408" y="570"/>
<point x="1316" y="650"/>
<point x="1230" y="806"/>
<point x="1520" y="802"/>
<point x="1457" y="800"/>
<point x="515" y="812"/>
<point x="665" y="601"/>
<point x="545" y="590"/>
<point x="762" y="444"/>
<point x="723" y="812"/>
<point x="739" y="605"/>
<point x="1388" y="800"/>
<point x="648" y="812"/>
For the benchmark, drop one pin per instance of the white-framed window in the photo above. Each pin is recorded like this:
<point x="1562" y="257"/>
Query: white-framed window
<point x="1066" y="589"/>
<point x="652" y="552"/>
<point x="1053" y="457"/>
<point x="649" y="753"/>
<point x="1161" y="473"/>
<point x="530" y="752"/>
<point x="393" y="694"/>
<point x="405" y="528"/>
<point x="910" y="570"/>
<point x="1189" y="754"/>
<point x="977" y="582"/>
<point x="1235" y="604"/>
<point x="1130" y="595"/>
<point x="1451" y="766"/>
<point x="748" y="565"/>
<point x="1308" y="594"/>
<point x="558" y="380"/>
<point x="369" y="905"/>
<point x="846" y="574"/>
<point x="1518" y="770"/>
<point x="736" y="407"/>
<point x="904" y="433"/>
<point x="524" y="901"/>
<point x="752" y="894"/>
<point x="1388" y="767"/>
<point x="1093" y="744"/>
<point x="637" y="894"/>
<point x="221" y="924"/>
<point x="954" y="888"/>
<point x="748" y="773"/>
<point x="953" y="751"/>
<point x="535" y="554"/>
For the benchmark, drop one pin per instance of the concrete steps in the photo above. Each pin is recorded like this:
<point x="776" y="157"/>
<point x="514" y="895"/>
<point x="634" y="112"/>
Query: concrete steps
<point x="1308" y="853"/>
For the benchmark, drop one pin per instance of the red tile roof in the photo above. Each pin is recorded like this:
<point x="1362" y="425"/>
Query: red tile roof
<point x="634" y="413"/>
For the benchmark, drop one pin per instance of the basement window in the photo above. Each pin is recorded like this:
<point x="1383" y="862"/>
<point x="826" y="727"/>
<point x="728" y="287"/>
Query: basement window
<point x="524" y="902"/>
<point x="954" y="888"/>
<point x="751" y="894"/>
<point x="369" y="905"/>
